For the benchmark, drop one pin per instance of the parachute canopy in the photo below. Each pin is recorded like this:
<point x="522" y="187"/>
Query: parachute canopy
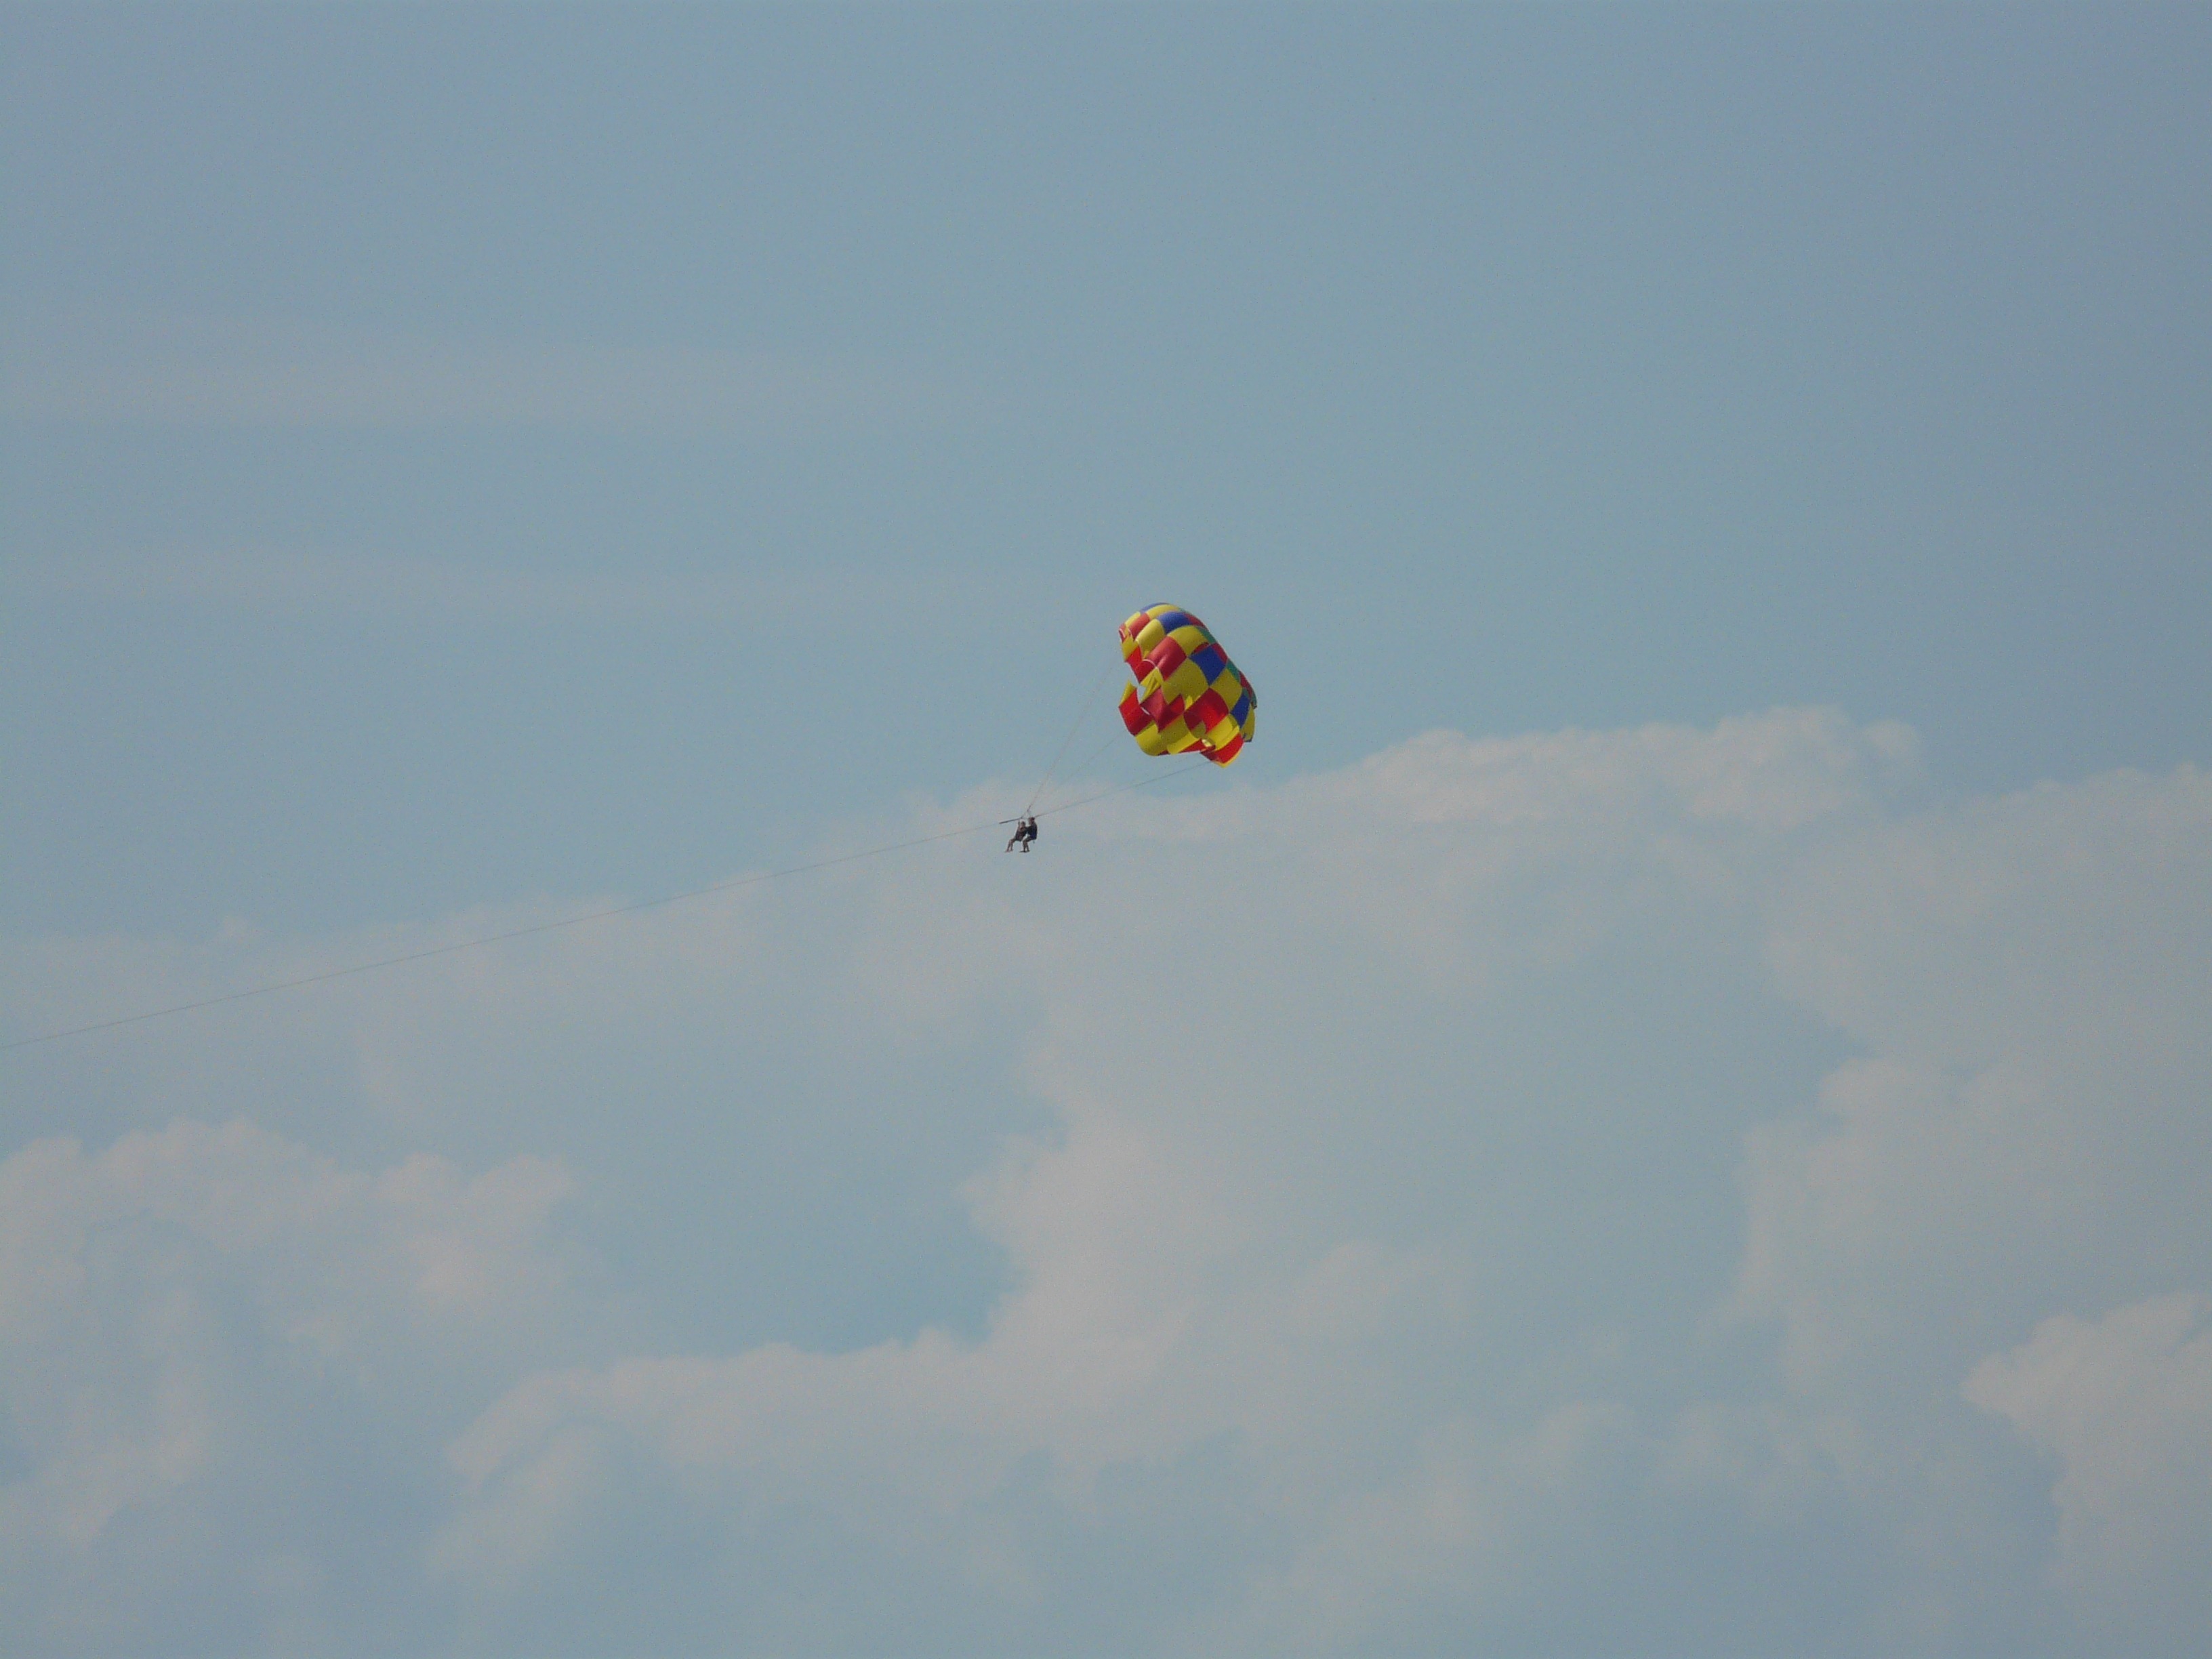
<point x="1187" y="695"/>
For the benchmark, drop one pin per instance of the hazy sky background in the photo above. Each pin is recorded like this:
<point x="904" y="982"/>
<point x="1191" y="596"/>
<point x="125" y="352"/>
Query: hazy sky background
<point x="1662" y="1107"/>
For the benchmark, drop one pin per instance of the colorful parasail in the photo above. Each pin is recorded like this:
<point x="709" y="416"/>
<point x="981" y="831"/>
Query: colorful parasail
<point x="1187" y="695"/>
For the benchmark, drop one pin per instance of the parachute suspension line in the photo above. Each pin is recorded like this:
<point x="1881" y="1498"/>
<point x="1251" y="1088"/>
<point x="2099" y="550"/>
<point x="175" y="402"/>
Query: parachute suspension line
<point x="736" y="882"/>
<point x="1083" y="714"/>
<point x="498" y="938"/>
<point x="1084" y="764"/>
<point x="1123" y="788"/>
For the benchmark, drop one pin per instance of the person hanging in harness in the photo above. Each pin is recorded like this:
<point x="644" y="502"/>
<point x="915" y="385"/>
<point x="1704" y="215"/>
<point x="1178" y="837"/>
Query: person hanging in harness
<point x="1025" y="831"/>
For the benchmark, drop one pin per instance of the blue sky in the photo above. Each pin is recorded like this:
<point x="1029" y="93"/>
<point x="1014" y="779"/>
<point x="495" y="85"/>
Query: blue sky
<point x="1716" y="503"/>
<point x="1557" y="368"/>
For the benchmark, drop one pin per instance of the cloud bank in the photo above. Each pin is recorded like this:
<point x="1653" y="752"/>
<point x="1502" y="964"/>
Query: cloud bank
<point x="1617" y="1192"/>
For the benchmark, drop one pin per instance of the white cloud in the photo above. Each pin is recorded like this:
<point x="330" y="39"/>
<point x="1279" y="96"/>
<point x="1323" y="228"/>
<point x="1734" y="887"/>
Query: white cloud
<point x="1547" y="1192"/>
<point x="2124" y="1404"/>
<point x="1470" y="1525"/>
<point x="169" y="1303"/>
<point x="2028" y="983"/>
